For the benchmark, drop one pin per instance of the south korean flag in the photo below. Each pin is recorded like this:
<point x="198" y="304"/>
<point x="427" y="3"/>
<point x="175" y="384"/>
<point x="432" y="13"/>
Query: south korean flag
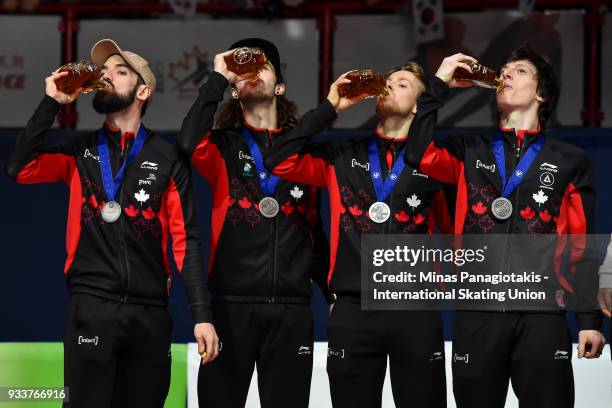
<point x="428" y="20"/>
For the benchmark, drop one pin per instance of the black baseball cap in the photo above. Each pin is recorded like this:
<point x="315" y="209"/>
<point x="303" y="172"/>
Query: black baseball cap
<point x="268" y="48"/>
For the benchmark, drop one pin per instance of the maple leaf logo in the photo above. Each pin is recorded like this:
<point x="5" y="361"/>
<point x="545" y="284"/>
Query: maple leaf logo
<point x="418" y="219"/>
<point x="190" y="71"/>
<point x="479" y="208"/>
<point x="141" y="196"/>
<point x="287" y="208"/>
<point x="149" y="214"/>
<point x="540" y="197"/>
<point x="472" y="190"/>
<point x="131" y="211"/>
<point x="245" y="203"/>
<point x="488" y="193"/>
<point x="355" y="211"/>
<point x="413" y="201"/>
<point x="545" y="216"/>
<point x="402" y="216"/>
<point x="296" y="193"/>
<point x="527" y="213"/>
<point x="486" y="223"/>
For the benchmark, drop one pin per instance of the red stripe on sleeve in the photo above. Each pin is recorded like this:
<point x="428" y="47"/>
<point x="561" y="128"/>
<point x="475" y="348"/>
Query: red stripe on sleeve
<point x="73" y="224"/>
<point x="461" y="204"/>
<point x="304" y="169"/>
<point x="439" y="215"/>
<point x="440" y="164"/>
<point x="47" y="168"/>
<point x="335" y="205"/>
<point x="176" y="224"/>
<point x="209" y="162"/>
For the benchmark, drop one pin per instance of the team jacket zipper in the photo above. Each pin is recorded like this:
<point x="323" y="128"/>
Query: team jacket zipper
<point x="122" y="242"/>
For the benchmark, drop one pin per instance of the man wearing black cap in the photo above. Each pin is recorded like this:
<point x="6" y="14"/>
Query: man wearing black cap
<point x="266" y="238"/>
<point x="117" y="342"/>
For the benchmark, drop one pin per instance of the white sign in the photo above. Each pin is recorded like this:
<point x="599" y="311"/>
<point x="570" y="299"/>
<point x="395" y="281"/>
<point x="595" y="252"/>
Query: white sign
<point x="30" y="49"/>
<point x="181" y="54"/>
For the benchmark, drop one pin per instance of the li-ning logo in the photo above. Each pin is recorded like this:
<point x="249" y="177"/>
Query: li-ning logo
<point x="148" y="165"/>
<point x="304" y="350"/>
<point x="355" y="163"/>
<point x="549" y="167"/>
<point x="438" y="355"/>
<point x="334" y="353"/>
<point x="87" y="154"/>
<point x="417" y="173"/>
<point x="242" y="155"/>
<point x="561" y="355"/>
<point x="465" y="358"/>
<point x="84" y="340"/>
<point x="490" y="167"/>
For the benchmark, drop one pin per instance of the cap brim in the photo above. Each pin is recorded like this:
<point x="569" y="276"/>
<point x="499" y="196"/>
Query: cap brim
<point x="104" y="49"/>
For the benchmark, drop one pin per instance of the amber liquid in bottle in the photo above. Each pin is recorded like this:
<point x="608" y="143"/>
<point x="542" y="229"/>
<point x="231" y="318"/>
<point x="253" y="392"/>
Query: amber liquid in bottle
<point x="480" y="76"/>
<point x="82" y="74"/>
<point x="246" y="62"/>
<point x="367" y="82"/>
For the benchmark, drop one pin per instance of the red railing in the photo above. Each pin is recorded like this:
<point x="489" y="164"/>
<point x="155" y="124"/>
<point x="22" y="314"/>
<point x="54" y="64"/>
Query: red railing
<point x="592" y="114"/>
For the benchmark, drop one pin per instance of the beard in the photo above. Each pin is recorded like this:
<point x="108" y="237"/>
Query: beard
<point x="110" y="102"/>
<point x="255" y="93"/>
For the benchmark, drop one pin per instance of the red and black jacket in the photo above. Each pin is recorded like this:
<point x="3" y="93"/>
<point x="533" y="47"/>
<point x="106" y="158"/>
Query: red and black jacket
<point x="252" y="258"/>
<point x="127" y="260"/>
<point x="417" y="203"/>
<point x="555" y="196"/>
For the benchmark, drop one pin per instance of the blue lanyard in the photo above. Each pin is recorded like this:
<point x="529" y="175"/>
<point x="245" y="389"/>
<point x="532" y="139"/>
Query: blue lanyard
<point x="267" y="181"/>
<point x="508" y="186"/>
<point x="383" y="188"/>
<point x="112" y="184"/>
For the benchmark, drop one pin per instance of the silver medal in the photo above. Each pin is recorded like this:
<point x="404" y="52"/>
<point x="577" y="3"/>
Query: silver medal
<point x="501" y="208"/>
<point x="268" y="207"/>
<point x="111" y="211"/>
<point x="379" y="212"/>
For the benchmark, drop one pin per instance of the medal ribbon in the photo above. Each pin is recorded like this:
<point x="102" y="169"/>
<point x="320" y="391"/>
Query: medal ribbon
<point x="508" y="186"/>
<point x="112" y="184"/>
<point x="267" y="181"/>
<point x="383" y="188"/>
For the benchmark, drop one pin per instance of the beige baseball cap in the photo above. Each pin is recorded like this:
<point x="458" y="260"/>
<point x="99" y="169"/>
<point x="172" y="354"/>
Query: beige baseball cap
<point x="107" y="47"/>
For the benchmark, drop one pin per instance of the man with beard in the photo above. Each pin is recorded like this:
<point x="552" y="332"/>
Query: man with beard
<point x="372" y="192"/>
<point x="129" y="193"/>
<point x="266" y="238"/>
<point x="548" y="190"/>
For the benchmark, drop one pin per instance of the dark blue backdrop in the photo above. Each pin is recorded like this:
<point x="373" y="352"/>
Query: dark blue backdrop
<point x="33" y="298"/>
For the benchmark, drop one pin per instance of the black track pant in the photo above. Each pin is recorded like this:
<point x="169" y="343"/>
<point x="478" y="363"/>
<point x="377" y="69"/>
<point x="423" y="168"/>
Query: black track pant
<point x="534" y="350"/>
<point x="360" y="342"/>
<point x="278" y="338"/>
<point x="116" y="354"/>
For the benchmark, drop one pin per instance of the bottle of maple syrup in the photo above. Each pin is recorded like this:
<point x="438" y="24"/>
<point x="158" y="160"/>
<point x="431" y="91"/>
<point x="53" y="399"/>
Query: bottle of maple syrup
<point x="81" y="74"/>
<point x="365" y="81"/>
<point x="246" y="61"/>
<point x="480" y="76"/>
